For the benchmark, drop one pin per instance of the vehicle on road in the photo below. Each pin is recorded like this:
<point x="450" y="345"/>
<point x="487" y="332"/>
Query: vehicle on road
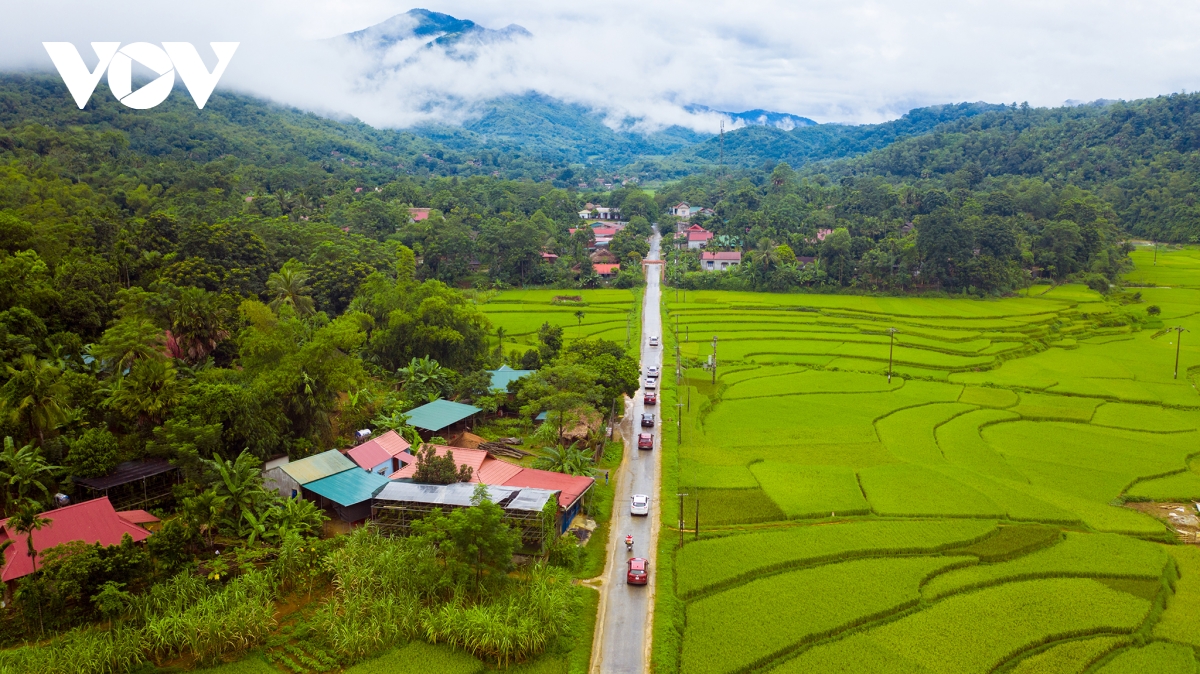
<point x="645" y="441"/>
<point x="651" y="383"/>
<point x="648" y="420"/>
<point x="654" y="341"/>
<point x="639" y="505"/>
<point x="652" y="371"/>
<point x="629" y="543"/>
<point x="651" y="398"/>
<point x="639" y="571"/>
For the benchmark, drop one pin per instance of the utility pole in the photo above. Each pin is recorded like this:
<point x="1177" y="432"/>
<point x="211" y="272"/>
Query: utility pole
<point x="714" y="368"/>
<point x="891" y="347"/>
<point x="1179" y="330"/>
<point x="697" y="518"/>
<point x="1155" y="252"/>
<point x="681" y="519"/>
<point x="678" y="424"/>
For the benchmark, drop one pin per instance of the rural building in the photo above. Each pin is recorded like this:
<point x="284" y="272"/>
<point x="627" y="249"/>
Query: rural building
<point x="418" y="214"/>
<point x="491" y="471"/>
<point x="383" y="455"/>
<point x="607" y="270"/>
<point x="94" y="521"/>
<point x="503" y="376"/>
<point x="132" y="484"/>
<point x="440" y="416"/>
<point x="680" y="210"/>
<point x="601" y="212"/>
<point x="695" y="237"/>
<point x="347" y="494"/>
<point x="719" y="261"/>
<point x="399" y="504"/>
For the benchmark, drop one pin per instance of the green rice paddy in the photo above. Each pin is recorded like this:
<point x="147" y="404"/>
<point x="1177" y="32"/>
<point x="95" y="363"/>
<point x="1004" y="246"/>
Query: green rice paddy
<point x="969" y="515"/>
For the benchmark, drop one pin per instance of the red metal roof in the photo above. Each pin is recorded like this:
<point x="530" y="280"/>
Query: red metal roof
<point x="462" y="457"/>
<point x="377" y="450"/>
<point x="569" y="487"/>
<point x="728" y="256"/>
<point x="93" y="521"/>
<point x="605" y="231"/>
<point x="496" y="471"/>
<point x="606" y="269"/>
<point x="135" y="517"/>
<point x="699" y="236"/>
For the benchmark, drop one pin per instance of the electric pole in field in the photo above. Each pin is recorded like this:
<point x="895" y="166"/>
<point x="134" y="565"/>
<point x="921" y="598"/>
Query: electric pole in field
<point x="678" y="424"/>
<point x="1178" y="330"/>
<point x="891" y="347"/>
<point x="681" y="519"/>
<point x="714" y="363"/>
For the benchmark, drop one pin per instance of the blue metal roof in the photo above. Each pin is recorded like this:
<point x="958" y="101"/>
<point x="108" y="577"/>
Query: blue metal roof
<point x="439" y="414"/>
<point x="504" y="375"/>
<point x="349" y="486"/>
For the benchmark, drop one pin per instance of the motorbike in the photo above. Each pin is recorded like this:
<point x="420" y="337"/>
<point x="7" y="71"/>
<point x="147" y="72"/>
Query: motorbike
<point x="629" y="543"/>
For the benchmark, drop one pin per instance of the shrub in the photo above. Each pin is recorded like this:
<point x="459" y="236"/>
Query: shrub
<point x="93" y="454"/>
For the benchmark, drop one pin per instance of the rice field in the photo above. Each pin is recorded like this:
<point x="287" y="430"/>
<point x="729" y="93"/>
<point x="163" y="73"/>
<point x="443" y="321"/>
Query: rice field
<point x="994" y="468"/>
<point x="607" y="313"/>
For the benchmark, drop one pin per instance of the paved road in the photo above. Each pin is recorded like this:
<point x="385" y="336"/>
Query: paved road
<point x="623" y="627"/>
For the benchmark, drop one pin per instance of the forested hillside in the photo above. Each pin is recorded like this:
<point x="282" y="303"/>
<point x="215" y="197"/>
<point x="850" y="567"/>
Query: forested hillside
<point x="1141" y="157"/>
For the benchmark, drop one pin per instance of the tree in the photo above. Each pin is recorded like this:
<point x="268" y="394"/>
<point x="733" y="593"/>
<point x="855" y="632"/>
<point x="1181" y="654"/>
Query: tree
<point x="199" y="322"/>
<point x="24" y="470"/>
<point x="579" y="318"/>
<point x="129" y="340"/>
<point x="93" y="454"/>
<point x="434" y="469"/>
<point x="147" y="393"/>
<point x="424" y="379"/>
<point x="26" y="521"/>
<point x="205" y="512"/>
<point x="289" y="286"/>
<point x="472" y="541"/>
<point x="569" y="460"/>
<point x="240" y="482"/>
<point x="837" y="255"/>
<point x="35" y="396"/>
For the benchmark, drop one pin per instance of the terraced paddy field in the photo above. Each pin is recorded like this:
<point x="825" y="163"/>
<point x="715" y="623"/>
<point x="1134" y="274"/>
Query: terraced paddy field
<point x="607" y="313"/>
<point x="966" y="516"/>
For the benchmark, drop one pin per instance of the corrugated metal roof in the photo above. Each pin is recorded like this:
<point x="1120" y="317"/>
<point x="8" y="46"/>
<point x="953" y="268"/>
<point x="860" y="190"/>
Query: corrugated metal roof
<point x="317" y="467"/>
<point x="349" y="486"/>
<point x="462" y="457"/>
<point x="368" y="455"/>
<point x="93" y="521"/>
<point x="136" y="516"/>
<point x="569" y="487"/>
<point x="495" y="471"/>
<point x="501" y="377"/>
<point x="459" y="494"/>
<point x="439" y="414"/>
<point x="129" y="471"/>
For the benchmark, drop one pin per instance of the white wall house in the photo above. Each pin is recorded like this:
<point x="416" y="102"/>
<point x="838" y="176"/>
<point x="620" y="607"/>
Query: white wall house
<point x="719" y="261"/>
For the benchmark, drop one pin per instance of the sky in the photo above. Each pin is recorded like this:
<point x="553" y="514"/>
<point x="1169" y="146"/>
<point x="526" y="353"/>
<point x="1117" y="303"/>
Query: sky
<point x="846" y="61"/>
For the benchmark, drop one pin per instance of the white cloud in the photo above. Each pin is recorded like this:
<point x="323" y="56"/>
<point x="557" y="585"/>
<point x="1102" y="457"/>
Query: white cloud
<point x="847" y="61"/>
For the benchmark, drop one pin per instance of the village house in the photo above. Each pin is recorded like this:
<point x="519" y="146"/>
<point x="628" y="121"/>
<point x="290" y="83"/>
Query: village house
<point x="694" y="237"/>
<point x="601" y="212"/>
<point x="719" y="261"/>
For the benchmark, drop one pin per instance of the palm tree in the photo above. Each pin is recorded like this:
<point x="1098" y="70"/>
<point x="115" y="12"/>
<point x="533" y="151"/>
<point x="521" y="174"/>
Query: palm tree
<point x="579" y="319"/>
<point x="24" y="469"/>
<point x="569" y="460"/>
<point x="26" y="521"/>
<point x="35" y="391"/>
<point x="147" y="393"/>
<point x="500" y="339"/>
<point x="289" y="286"/>
<point x="198" y="323"/>
<point x="205" y="510"/>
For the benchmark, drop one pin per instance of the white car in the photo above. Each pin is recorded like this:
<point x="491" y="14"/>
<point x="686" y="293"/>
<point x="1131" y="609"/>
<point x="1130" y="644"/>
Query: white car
<point x="654" y="341"/>
<point x="639" y="505"/>
<point x="652" y="371"/>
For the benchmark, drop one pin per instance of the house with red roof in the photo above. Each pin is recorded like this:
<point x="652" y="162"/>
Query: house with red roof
<point x="607" y="270"/>
<point x="489" y="470"/>
<point x="418" y="214"/>
<point x="719" y="261"/>
<point x="94" y="521"/>
<point x="384" y="454"/>
<point x="697" y="237"/>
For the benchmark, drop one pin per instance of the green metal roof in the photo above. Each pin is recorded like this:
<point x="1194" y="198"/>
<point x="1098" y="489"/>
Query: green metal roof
<point x="349" y="486"/>
<point x="439" y="414"/>
<point x="501" y="377"/>
<point x="317" y="467"/>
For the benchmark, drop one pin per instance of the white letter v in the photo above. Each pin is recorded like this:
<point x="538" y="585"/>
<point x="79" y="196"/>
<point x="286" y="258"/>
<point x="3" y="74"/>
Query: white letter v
<point x="199" y="82"/>
<point x="80" y="82"/>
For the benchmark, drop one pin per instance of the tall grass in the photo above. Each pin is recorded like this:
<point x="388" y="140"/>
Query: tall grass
<point x="81" y="651"/>
<point x="230" y="620"/>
